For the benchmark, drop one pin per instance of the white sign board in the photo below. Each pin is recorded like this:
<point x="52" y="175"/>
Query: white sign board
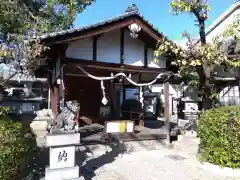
<point x="189" y="107"/>
<point x="119" y="127"/>
<point x="62" y="157"/>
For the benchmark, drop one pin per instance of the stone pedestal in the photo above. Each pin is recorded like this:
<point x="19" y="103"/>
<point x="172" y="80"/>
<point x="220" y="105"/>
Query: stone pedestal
<point x="62" y="156"/>
<point x="39" y="127"/>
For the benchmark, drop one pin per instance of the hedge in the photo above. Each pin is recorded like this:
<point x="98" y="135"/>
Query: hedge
<point x="16" y="143"/>
<point x="219" y="133"/>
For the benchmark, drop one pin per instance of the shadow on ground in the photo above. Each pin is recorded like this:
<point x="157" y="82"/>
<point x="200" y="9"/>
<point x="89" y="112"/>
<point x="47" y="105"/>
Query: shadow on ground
<point x="88" y="167"/>
<point x="35" y="170"/>
<point x="85" y="157"/>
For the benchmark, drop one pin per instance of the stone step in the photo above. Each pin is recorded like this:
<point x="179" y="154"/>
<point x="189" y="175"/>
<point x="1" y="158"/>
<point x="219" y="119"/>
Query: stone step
<point x="63" y="173"/>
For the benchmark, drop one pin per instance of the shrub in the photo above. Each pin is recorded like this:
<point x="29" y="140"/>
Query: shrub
<point x="16" y="143"/>
<point x="219" y="132"/>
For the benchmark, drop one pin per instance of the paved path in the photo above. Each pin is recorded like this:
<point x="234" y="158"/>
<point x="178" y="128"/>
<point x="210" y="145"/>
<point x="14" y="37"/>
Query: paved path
<point x="167" y="164"/>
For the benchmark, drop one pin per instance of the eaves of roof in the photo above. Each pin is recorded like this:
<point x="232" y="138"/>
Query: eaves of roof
<point x="126" y="15"/>
<point x="223" y="17"/>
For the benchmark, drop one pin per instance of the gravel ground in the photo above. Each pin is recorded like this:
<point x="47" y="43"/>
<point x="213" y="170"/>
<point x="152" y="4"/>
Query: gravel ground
<point x="165" y="164"/>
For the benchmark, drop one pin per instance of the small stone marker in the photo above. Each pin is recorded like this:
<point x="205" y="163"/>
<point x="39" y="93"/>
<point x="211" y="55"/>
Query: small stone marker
<point x="62" y="156"/>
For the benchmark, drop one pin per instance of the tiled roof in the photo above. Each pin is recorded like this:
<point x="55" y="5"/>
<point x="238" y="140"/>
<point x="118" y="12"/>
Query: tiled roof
<point x="5" y="74"/>
<point x="223" y="16"/>
<point x="128" y="13"/>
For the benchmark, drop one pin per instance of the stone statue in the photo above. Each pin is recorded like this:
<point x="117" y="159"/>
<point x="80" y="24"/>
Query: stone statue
<point x="65" y="120"/>
<point x="58" y="124"/>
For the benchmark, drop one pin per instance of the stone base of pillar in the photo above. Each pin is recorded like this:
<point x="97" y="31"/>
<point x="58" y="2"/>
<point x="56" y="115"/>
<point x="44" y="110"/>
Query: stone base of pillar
<point x="62" y="156"/>
<point x="63" y="173"/>
<point x="39" y="128"/>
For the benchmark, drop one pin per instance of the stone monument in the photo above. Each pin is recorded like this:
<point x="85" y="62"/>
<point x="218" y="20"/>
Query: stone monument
<point x="61" y="140"/>
<point x="62" y="156"/>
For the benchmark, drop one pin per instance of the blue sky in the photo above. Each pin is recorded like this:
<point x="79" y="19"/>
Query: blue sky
<point x="155" y="11"/>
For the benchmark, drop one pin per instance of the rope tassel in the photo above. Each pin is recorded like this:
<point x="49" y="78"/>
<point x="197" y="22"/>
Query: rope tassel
<point x="104" y="99"/>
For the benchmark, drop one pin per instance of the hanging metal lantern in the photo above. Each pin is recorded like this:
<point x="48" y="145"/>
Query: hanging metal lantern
<point x="134" y="30"/>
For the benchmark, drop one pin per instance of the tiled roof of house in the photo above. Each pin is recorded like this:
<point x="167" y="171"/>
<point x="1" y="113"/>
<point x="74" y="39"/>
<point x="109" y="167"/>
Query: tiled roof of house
<point x="223" y="16"/>
<point x="5" y="74"/>
<point x="130" y="12"/>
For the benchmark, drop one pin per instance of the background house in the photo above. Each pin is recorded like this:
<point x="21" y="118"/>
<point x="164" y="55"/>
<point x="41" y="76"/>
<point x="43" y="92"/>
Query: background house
<point x="24" y="95"/>
<point x="228" y="82"/>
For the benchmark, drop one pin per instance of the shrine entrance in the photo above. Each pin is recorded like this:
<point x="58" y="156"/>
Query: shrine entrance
<point x="103" y="101"/>
<point x="94" y="66"/>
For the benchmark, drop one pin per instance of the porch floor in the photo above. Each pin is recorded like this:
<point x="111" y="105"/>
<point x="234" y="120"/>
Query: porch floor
<point x="152" y="130"/>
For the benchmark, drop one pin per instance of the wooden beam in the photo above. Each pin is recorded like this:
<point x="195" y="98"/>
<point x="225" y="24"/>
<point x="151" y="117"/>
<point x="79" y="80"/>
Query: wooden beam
<point x="149" y="30"/>
<point x="166" y="110"/>
<point x="122" y="46"/>
<point x="95" y="30"/>
<point x="95" y="48"/>
<point x="90" y="32"/>
<point x="145" y="55"/>
<point x="95" y="40"/>
<point x="112" y="66"/>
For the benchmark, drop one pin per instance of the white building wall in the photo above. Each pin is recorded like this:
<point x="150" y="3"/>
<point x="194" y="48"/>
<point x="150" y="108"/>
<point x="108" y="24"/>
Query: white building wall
<point x="133" y="50"/>
<point x="108" y="47"/>
<point x="81" y="49"/>
<point x="161" y="63"/>
<point x="108" y="50"/>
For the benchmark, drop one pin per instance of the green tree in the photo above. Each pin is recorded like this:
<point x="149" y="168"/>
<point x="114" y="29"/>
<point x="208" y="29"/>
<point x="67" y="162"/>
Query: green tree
<point x="199" y="60"/>
<point x="23" y="21"/>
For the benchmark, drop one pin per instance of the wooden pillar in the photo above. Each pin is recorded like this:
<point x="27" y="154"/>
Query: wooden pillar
<point x="166" y="111"/>
<point x="122" y="46"/>
<point x="54" y="100"/>
<point x="145" y="55"/>
<point x="57" y="55"/>
<point x="95" y="39"/>
<point x="122" y="61"/>
<point x="118" y="101"/>
<point x="123" y="91"/>
<point x="113" y="99"/>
